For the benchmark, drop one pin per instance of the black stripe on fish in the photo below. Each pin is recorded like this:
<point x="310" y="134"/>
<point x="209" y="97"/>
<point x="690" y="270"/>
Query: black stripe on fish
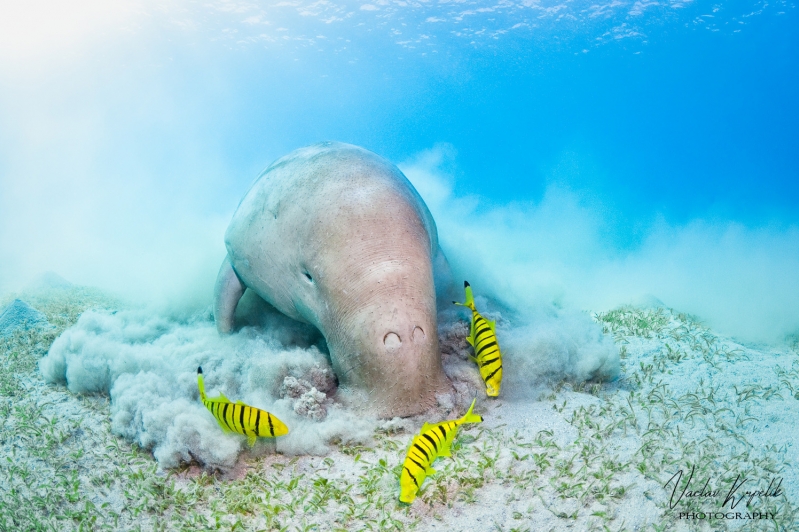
<point x="215" y="409"/>
<point x="431" y="440"/>
<point x="221" y="414"/>
<point x="232" y="412"/>
<point x="491" y="351"/>
<point x="417" y="463"/>
<point x="258" y="421"/>
<point x="487" y="362"/>
<point x="218" y="414"/>
<point x="493" y="373"/>
<point x="241" y="419"/>
<point x="443" y="432"/>
<point x="412" y="477"/>
<point x="271" y="427"/>
<point x="233" y="418"/>
<point x="424" y="452"/>
<point x="483" y="333"/>
<point x="419" y="458"/>
<point x="229" y="422"/>
<point x="432" y="448"/>
<point x="487" y="346"/>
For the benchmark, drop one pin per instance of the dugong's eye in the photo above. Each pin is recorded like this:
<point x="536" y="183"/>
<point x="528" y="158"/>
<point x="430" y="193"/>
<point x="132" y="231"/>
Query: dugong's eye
<point x="308" y="276"/>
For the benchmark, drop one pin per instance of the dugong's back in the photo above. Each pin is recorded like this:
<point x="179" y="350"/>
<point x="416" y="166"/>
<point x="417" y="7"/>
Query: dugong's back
<point x="336" y="236"/>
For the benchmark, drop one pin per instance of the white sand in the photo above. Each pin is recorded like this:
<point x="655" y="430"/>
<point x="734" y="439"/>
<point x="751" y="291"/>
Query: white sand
<point x="577" y="457"/>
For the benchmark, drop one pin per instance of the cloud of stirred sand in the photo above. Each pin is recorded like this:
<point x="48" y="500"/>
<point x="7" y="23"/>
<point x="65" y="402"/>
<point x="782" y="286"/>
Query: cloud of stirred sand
<point x="534" y="266"/>
<point x="147" y="364"/>
<point x="742" y="280"/>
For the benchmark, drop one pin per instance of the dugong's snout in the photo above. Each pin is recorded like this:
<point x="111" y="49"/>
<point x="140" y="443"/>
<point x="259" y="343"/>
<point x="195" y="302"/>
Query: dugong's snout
<point x="397" y="355"/>
<point x="393" y="340"/>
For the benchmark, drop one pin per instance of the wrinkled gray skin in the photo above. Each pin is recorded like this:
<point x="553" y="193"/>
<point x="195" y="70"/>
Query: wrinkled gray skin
<point x="336" y="236"/>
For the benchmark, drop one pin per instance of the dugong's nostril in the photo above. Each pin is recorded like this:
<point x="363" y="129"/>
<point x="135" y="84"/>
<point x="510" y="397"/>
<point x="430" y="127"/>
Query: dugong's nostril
<point x="418" y="334"/>
<point x="392" y="340"/>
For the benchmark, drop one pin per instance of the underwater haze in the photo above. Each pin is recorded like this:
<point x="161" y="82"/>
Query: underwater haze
<point x="586" y="154"/>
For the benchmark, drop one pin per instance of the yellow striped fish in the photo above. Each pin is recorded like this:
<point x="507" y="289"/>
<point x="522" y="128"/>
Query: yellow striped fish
<point x="240" y="418"/>
<point x="484" y="340"/>
<point x="433" y="441"/>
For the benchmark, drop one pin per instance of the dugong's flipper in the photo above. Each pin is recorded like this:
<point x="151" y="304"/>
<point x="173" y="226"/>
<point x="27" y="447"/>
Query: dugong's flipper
<point x="227" y="292"/>
<point x="444" y="281"/>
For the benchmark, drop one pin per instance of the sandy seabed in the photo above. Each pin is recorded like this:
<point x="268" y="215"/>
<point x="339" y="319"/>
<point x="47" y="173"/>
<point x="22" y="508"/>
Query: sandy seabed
<point x="589" y="456"/>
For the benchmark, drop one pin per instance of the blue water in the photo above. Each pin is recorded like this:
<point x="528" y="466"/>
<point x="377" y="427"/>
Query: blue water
<point x="684" y="121"/>
<point x="649" y="115"/>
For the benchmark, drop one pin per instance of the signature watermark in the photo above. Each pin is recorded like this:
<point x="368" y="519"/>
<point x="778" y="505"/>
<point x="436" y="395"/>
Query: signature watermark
<point x="724" y="499"/>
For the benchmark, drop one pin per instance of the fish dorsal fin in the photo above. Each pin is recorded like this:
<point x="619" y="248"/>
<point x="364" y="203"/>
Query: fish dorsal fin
<point x="470" y="340"/>
<point x="493" y="325"/>
<point x="220" y="399"/>
<point x="240" y="403"/>
<point x="426" y="427"/>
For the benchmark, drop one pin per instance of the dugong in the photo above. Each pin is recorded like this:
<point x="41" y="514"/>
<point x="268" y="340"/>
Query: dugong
<point x="336" y="236"/>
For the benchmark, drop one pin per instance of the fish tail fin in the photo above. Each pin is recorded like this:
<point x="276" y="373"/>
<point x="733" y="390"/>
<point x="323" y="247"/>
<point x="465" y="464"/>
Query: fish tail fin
<point x="470" y="417"/>
<point x="469" y="297"/>
<point x="200" y="383"/>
